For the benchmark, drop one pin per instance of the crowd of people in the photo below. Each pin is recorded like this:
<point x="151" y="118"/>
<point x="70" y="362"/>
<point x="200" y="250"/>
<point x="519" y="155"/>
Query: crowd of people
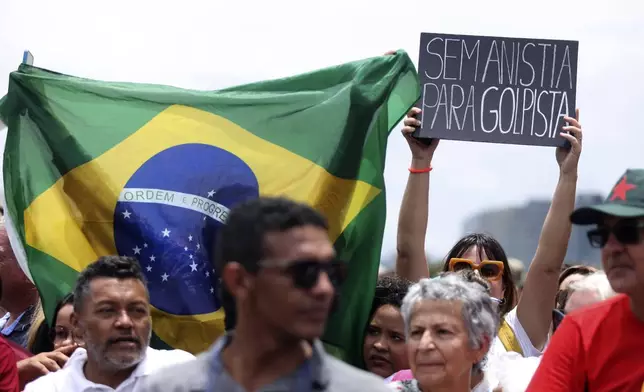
<point x="471" y="328"/>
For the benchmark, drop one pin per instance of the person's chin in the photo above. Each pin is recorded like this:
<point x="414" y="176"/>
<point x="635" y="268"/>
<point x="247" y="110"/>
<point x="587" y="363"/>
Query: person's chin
<point x="125" y="359"/>
<point x="622" y="280"/>
<point x="308" y="330"/>
<point x="381" y="370"/>
<point x="130" y="363"/>
<point x="431" y="377"/>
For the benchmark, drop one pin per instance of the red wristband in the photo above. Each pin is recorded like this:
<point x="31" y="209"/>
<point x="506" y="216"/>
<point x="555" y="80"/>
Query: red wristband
<point x="416" y="171"/>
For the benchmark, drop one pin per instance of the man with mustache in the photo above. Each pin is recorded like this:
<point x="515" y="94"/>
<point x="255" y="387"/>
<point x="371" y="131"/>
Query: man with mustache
<point x="112" y="316"/>
<point x="278" y="264"/>
<point x="599" y="347"/>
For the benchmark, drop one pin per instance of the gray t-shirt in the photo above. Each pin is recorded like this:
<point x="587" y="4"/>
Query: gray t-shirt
<point x="321" y="372"/>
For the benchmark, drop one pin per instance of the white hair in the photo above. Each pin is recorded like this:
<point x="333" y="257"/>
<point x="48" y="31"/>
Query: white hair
<point x="597" y="282"/>
<point x="480" y="314"/>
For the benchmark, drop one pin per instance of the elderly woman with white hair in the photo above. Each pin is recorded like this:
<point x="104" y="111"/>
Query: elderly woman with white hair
<point x="587" y="291"/>
<point x="449" y="325"/>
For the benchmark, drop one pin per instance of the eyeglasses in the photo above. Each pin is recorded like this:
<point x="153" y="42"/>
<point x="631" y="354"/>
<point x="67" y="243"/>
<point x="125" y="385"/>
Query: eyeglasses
<point x="305" y="273"/>
<point x="626" y="232"/>
<point x="489" y="269"/>
<point x="61" y="334"/>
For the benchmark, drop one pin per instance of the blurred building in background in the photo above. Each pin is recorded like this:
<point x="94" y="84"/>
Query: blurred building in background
<point x="518" y="228"/>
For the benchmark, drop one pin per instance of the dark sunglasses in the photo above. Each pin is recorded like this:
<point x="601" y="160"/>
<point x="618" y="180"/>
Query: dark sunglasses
<point x="557" y="318"/>
<point x="626" y="232"/>
<point x="305" y="273"/>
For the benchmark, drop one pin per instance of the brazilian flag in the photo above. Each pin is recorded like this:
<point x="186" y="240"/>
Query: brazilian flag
<point x="95" y="168"/>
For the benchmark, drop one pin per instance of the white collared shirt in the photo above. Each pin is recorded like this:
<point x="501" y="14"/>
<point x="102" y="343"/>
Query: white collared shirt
<point x="71" y="377"/>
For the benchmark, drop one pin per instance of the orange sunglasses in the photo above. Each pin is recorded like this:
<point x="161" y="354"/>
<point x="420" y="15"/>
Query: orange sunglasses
<point x="489" y="269"/>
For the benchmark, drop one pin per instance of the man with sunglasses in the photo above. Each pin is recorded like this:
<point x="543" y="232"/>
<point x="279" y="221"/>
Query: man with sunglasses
<point x="599" y="348"/>
<point x="276" y="260"/>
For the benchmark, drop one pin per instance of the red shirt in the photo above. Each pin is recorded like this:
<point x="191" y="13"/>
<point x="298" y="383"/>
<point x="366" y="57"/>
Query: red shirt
<point x="9" y="381"/>
<point x="602" y="345"/>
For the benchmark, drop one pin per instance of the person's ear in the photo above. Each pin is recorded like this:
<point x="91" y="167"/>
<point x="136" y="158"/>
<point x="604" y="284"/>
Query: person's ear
<point x="236" y="280"/>
<point x="79" y="328"/>
<point x="479" y="354"/>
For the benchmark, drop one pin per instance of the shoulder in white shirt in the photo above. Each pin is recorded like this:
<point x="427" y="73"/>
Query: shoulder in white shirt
<point x="524" y="341"/>
<point x="72" y="379"/>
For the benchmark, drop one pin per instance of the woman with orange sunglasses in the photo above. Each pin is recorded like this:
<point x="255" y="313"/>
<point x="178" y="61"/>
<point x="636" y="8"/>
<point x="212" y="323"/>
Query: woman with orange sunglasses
<point x="524" y="326"/>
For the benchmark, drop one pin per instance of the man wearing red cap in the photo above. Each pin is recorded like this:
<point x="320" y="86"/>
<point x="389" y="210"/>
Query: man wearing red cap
<point x="600" y="348"/>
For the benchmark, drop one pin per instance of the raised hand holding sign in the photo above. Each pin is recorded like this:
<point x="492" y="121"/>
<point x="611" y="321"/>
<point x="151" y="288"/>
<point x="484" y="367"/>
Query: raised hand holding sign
<point x="498" y="90"/>
<point x="568" y="158"/>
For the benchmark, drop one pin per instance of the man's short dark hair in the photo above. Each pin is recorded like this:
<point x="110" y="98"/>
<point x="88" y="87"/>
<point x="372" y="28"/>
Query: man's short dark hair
<point x="242" y="238"/>
<point x="390" y="290"/>
<point x="120" y="267"/>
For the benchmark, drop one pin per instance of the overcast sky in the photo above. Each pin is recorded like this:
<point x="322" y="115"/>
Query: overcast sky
<point x="207" y="44"/>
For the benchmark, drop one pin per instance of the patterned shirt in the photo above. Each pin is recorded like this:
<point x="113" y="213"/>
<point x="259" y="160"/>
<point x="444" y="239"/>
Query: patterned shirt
<point x="18" y="330"/>
<point x="412" y="386"/>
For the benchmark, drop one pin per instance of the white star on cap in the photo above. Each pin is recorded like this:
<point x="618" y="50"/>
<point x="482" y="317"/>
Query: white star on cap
<point x="126" y="214"/>
<point x="166" y="232"/>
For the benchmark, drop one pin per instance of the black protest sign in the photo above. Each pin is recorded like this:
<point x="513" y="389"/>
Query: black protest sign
<point x="498" y="90"/>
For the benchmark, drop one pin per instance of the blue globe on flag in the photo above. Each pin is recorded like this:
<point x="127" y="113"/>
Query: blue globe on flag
<point x="168" y="215"/>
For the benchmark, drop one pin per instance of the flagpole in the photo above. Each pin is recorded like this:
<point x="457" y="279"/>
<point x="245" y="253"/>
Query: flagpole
<point x="27" y="58"/>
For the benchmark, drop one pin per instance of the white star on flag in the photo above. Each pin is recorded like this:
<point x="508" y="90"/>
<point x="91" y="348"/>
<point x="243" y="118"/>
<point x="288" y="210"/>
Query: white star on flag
<point x="164" y="277"/>
<point x="185" y="248"/>
<point x="193" y="266"/>
<point x="190" y="238"/>
<point x="166" y="232"/>
<point x="145" y="245"/>
<point x="126" y="214"/>
<point x="190" y="257"/>
<point x="148" y="268"/>
<point x="207" y="273"/>
<point x="137" y="250"/>
<point x="212" y="290"/>
<point x="152" y="258"/>
<point x="198" y="246"/>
